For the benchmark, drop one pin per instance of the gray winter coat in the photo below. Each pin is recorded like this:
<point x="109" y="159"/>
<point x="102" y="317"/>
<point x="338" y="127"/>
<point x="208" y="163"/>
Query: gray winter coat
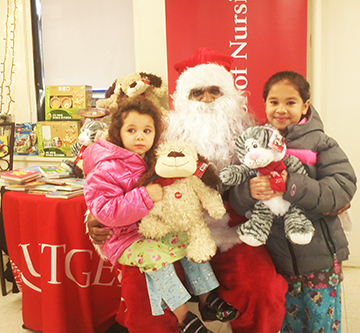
<point x="329" y="185"/>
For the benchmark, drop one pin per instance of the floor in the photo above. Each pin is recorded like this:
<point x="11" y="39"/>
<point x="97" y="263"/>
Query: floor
<point x="11" y="318"/>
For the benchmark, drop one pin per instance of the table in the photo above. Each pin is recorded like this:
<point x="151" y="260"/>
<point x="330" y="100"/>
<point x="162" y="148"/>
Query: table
<point x="66" y="286"/>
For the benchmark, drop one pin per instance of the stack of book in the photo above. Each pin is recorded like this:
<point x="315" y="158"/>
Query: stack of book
<point x="19" y="176"/>
<point x="54" y="171"/>
<point x="53" y="181"/>
<point x="57" y="188"/>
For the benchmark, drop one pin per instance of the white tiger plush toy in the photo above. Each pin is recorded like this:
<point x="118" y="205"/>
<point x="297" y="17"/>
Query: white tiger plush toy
<point x="261" y="150"/>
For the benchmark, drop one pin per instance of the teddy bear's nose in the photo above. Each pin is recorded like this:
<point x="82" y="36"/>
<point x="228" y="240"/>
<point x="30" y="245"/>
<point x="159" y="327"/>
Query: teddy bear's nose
<point x="175" y="154"/>
<point x="132" y="85"/>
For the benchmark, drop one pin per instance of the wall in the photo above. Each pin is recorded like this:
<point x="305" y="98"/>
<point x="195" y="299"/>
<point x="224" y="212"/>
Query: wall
<point x="22" y="88"/>
<point x="87" y="42"/>
<point x="334" y="71"/>
<point x="150" y="37"/>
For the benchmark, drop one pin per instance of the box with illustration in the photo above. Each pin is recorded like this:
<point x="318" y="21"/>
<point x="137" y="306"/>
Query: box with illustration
<point x="55" y="138"/>
<point x="64" y="102"/>
<point x="25" y="139"/>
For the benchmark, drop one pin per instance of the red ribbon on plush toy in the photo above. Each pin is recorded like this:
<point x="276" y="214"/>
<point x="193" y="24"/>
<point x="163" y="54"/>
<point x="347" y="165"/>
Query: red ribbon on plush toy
<point x="274" y="169"/>
<point x="81" y="154"/>
<point x="201" y="167"/>
<point x="166" y="181"/>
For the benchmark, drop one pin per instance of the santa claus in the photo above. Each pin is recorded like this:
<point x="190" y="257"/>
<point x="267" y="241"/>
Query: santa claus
<point x="209" y="112"/>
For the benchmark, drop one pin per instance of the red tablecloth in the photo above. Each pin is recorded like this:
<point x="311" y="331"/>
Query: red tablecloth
<point x="66" y="286"/>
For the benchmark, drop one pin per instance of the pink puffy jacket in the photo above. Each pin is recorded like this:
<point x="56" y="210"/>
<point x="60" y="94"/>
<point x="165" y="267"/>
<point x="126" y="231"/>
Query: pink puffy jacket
<point x="112" y="196"/>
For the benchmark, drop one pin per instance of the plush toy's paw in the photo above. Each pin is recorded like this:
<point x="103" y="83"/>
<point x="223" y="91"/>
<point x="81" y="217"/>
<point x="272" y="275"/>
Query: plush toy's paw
<point x="247" y="234"/>
<point x="226" y="176"/>
<point x="235" y="174"/>
<point x="70" y="166"/>
<point x="300" y="238"/>
<point x="298" y="228"/>
<point x="250" y="240"/>
<point x="200" y="254"/>
<point x="217" y="214"/>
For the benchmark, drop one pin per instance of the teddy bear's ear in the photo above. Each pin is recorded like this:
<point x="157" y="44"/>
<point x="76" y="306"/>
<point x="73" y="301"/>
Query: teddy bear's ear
<point x="157" y="84"/>
<point x="209" y="177"/>
<point x="110" y="90"/>
<point x="153" y="80"/>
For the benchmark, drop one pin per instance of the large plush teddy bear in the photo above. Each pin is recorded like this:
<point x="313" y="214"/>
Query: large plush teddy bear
<point x="135" y="84"/>
<point x="261" y="151"/>
<point x="185" y="197"/>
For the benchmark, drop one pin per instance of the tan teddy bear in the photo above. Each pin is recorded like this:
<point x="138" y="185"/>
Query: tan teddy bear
<point x="135" y="84"/>
<point x="185" y="197"/>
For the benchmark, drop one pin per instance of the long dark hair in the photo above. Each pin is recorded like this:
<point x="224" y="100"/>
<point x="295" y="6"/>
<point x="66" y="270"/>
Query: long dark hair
<point x="145" y="107"/>
<point x="294" y="78"/>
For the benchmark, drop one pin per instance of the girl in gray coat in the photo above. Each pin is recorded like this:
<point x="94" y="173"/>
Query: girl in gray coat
<point x="313" y="271"/>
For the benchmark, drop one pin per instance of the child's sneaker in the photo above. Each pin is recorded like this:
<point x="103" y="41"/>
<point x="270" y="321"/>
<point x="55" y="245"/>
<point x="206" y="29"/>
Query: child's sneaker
<point x="192" y="324"/>
<point x="217" y="309"/>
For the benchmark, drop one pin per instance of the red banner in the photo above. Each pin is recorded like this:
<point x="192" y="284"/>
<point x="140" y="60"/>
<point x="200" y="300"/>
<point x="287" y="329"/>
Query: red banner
<point x="262" y="36"/>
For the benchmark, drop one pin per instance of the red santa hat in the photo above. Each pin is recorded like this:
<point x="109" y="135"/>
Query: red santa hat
<point x="202" y="69"/>
<point x="204" y="56"/>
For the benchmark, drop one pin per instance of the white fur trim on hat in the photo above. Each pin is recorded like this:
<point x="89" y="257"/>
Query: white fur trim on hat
<point x="202" y="76"/>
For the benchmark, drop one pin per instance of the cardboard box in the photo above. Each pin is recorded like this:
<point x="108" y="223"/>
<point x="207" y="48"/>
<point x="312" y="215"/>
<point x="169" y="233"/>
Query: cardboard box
<point x="64" y="102"/>
<point x="25" y="139"/>
<point x="55" y="138"/>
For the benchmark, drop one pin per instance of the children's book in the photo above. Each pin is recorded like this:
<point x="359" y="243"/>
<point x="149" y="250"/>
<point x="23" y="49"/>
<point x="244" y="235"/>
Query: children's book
<point x="76" y="182"/>
<point x="24" y="187"/>
<point x="54" y="181"/>
<point x="4" y="149"/>
<point x="20" y="175"/>
<point x="54" y="171"/>
<point x="43" y="186"/>
<point x="64" y="194"/>
<point x="67" y="188"/>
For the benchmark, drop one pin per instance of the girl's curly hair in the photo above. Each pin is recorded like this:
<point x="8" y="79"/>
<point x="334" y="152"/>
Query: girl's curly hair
<point x="145" y="107"/>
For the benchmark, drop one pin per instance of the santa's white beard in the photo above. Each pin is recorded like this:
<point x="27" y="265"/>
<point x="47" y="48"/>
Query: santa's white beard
<point x="210" y="127"/>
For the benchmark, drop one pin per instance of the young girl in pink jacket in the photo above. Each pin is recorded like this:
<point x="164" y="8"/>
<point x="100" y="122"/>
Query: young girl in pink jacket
<point x="117" y="195"/>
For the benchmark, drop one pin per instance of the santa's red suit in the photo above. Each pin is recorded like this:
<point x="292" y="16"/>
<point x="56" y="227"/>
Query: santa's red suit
<point x="247" y="276"/>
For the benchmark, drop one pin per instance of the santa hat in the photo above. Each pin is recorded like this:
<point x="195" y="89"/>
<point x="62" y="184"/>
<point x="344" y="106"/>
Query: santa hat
<point x="204" y="56"/>
<point x="203" y="69"/>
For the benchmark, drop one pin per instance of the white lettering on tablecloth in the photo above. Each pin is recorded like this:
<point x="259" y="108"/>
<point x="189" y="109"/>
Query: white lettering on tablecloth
<point x="58" y="267"/>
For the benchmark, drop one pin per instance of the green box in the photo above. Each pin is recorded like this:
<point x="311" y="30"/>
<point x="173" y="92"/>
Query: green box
<point x="64" y="102"/>
<point x="55" y="138"/>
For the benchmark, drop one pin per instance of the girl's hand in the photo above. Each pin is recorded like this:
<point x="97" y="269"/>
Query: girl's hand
<point x="155" y="192"/>
<point x="260" y="188"/>
<point x="338" y="212"/>
<point x="97" y="233"/>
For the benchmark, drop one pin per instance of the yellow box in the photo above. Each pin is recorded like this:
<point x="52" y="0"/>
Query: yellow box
<point x="55" y="138"/>
<point x="64" y="102"/>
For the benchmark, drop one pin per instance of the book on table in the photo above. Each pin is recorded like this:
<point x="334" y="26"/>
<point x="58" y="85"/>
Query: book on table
<point x="44" y="186"/>
<point x="54" y="171"/>
<point x="64" y="194"/>
<point x="76" y="182"/>
<point x="19" y="176"/>
<point x="25" y="187"/>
